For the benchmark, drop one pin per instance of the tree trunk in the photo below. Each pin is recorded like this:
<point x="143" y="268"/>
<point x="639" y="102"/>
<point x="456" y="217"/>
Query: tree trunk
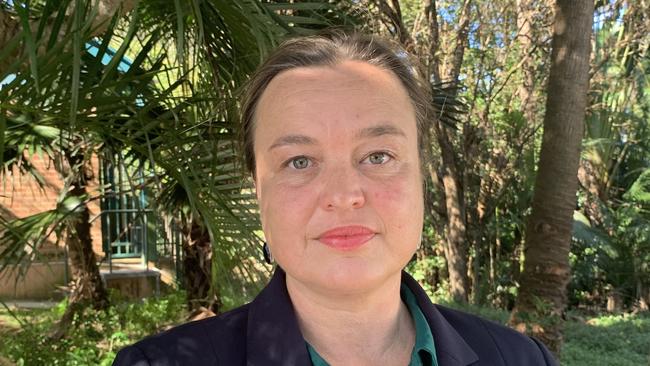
<point x="86" y="287"/>
<point x="433" y="56"/>
<point x="197" y="266"/>
<point x="542" y="294"/>
<point x="462" y="34"/>
<point x="474" y="238"/>
<point x="527" y="88"/>
<point x="454" y="245"/>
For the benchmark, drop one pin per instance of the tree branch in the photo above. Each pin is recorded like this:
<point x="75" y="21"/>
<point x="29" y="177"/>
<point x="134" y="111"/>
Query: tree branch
<point x="461" y="40"/>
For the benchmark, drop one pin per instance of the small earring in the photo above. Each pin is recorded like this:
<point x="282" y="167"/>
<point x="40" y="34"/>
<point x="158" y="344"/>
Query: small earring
<point x="419" y="242"/>
<point x="268" y="257"/>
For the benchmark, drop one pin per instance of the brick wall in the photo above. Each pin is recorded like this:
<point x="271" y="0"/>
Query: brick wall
<point x="21" y="196"/>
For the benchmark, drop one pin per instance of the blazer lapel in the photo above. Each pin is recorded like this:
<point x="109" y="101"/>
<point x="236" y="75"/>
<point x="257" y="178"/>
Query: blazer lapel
<point x="451" y="348"/>
<point x="273" y="336"/>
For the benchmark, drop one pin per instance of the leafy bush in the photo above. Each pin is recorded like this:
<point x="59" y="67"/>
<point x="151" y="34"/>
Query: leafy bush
<point x="97" y="335"/>
<point x="612" y="340"/>
<point x="422" y="270"/>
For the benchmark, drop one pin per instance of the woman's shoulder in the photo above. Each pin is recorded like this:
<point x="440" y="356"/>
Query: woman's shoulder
<point x="210" y="341"/>
<point x="488" y="337"/>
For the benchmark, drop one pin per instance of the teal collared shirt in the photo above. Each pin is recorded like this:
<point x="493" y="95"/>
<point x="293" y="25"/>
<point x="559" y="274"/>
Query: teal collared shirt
<point x="424" y="351"/>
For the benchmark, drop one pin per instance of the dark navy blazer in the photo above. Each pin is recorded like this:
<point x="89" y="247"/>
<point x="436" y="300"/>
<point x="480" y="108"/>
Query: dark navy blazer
<point x="265" y="333"/>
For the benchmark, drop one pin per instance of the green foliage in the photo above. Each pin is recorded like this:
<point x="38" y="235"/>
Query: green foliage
<point x="496" y="315"/>
<point x="98" y="334"/>
<point x="614" y="257"/>
<point x="613" y="340"/>
<point x="610" y="250"/>
<point x="640" y="189"/>
<point x="422" y="270"/>
<point x="618" y="340"/>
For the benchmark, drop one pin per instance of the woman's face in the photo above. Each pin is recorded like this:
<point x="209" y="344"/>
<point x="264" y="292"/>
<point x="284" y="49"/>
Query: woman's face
<point x="338" y="175"/>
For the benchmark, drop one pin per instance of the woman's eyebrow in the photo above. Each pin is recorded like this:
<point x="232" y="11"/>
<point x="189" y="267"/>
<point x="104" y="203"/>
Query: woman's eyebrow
<point x="368" y="132"/>
<point x="292" y="140"/>
<point x="380" y="130"/>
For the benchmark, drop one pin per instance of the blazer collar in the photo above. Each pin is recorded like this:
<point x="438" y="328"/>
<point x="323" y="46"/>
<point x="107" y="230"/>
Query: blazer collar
<point x="274" y="338"/>
<point x="273" y="335"/>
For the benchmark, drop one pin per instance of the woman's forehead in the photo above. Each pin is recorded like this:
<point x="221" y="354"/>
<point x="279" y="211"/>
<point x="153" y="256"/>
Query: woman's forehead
<point x="351" y="90"/>
<point x="343" y="75"/>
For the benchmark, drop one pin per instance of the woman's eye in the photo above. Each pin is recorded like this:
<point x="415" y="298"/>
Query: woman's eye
<point x="300" y="162"/>
<point x="378" y="158"/>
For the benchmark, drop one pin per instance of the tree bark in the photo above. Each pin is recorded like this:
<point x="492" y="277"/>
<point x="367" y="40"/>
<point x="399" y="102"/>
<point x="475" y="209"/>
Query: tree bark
<point x="453" y="67"/>
<point x="433" y="56"/>
<point x="525" y="38"/>
<point x="542" y="294"/>
<point x="197" y="266"/>
<point x="86" y="287"/>
<point x="454" y="245"/>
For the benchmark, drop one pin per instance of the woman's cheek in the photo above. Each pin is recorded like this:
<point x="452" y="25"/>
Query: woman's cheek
<point x="398" y="199"/>
<point x="287" y="203"/>
<point x="394" y="186"/>
<point x="389" y="193"/>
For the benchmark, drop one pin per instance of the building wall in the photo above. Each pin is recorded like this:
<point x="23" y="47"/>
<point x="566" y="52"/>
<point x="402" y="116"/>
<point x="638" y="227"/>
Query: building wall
<point x="41" y="281"/>
<point x="21" y="196"/>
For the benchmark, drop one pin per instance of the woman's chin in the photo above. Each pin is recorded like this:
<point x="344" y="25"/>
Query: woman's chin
<point x="349" y="278"/>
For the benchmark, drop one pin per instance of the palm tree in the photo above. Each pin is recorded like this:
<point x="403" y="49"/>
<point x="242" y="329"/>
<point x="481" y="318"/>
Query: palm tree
<point x="174" y="107"/>
<point x="542" y="295"/>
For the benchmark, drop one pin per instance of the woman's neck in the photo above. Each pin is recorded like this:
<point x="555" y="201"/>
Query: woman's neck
<point x="355" y="329"/>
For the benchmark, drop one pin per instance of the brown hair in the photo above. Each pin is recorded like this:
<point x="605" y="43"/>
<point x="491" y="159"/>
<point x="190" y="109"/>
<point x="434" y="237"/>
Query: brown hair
<point x="330" y="49"/>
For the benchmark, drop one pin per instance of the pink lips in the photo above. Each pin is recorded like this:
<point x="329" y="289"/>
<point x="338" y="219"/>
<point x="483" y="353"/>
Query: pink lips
<point x="346" y="237"/>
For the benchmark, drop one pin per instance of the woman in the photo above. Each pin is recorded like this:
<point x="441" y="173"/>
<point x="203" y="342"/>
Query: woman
<point x="334" y="137"/>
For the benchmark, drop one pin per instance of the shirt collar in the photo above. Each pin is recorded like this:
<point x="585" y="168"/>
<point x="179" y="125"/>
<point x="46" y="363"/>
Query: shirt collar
<point x="423" y="337"/>
<point x="451" y="348"/>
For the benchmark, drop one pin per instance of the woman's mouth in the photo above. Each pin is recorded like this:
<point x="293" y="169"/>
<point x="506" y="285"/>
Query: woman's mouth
<point x="346" y="237"/>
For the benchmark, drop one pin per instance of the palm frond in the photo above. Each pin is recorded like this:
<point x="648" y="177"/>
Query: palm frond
<point x="448" y="106"/>
<point x="160" y="86"/>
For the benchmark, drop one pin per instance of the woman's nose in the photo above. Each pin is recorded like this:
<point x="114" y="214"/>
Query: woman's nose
<point x="342" y="189"/>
